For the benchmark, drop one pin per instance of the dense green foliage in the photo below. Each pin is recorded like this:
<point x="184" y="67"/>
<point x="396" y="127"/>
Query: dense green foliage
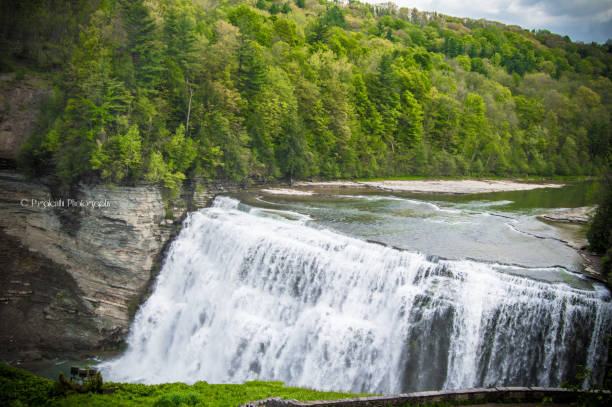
<point x="40" y="33"/>
<point x="165" y="90"/>
<point x="19" y="388"/>
<point x="600" y="229"/>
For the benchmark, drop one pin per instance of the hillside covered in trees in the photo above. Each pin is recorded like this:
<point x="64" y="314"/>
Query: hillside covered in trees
<point x="165" y="90"/>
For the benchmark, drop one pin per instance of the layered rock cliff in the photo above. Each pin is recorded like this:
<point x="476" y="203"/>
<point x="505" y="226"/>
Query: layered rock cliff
<point x="99" y="244"/>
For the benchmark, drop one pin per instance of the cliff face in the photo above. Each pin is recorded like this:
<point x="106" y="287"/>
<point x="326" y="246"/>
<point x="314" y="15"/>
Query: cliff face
<point x="41" y="309"/>
<point x="76" y="271"/>
<point x="75" y="265"/>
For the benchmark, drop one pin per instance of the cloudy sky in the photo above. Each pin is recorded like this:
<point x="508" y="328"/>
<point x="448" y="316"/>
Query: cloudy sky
<point x="582" y="20"/>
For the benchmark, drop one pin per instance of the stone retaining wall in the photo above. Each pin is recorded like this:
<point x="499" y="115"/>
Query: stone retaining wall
<point x="496" y="394"/>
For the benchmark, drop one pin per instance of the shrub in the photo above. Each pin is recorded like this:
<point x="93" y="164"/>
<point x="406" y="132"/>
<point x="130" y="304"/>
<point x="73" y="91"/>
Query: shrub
<point x="64" y="387"/>
<point x="600" y="231"/>
<point x="20" y="388"/>
<point x="176" y="399"/>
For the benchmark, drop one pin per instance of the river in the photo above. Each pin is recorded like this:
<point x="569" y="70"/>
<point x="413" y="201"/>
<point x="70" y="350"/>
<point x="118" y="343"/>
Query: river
<point x="365" y="291"/>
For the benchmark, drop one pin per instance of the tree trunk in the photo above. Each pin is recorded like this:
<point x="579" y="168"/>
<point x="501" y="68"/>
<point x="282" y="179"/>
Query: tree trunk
<point x="188" y="107"/>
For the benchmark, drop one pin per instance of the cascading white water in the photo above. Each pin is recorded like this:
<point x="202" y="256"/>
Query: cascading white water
<point x="244" y="297"/>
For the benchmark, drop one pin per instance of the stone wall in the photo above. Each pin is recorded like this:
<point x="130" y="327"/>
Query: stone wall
<point x="466" y="396"/>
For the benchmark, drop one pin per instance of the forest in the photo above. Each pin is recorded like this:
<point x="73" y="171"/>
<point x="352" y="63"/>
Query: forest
<point x="257" y="90"/>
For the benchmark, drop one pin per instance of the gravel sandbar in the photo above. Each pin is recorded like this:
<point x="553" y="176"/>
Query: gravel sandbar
<point x="436" y="186"/>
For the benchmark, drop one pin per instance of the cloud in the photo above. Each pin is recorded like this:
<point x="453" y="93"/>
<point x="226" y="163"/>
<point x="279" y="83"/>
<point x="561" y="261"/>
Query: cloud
<point x="582" y="20"/>
<point x="575" y="8"/>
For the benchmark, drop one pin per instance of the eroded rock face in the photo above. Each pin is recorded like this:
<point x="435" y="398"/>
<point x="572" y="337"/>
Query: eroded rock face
<point x="103" y="258"/>
<point x="41" y="307"/>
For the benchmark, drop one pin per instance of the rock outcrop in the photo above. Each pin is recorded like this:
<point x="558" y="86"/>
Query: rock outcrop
<point x="581" y="215"/>
<point x="42" y="312"/>
<point x="101" y="248"/>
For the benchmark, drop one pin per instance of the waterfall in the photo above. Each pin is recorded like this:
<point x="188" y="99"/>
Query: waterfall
<point x="243" y="296"/>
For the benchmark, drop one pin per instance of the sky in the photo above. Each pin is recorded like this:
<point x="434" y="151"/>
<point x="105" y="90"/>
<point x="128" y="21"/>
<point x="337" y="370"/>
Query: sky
<point x="582" y="20"/>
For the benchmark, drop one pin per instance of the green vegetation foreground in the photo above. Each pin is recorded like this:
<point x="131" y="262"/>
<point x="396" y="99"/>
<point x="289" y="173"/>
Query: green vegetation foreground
<point x="168" y="90"/>
<point x="20" y="388"/>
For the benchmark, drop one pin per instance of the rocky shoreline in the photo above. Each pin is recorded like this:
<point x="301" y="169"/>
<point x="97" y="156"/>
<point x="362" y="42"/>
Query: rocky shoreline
<point x="580" y="215"/>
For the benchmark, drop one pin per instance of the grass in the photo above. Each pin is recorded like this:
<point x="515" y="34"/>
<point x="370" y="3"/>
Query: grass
<point x="19" y="388"/>
<point x="198" y="394"/>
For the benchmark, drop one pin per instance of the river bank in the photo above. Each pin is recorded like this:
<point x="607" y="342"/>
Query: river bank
<point x="574" y="222"/>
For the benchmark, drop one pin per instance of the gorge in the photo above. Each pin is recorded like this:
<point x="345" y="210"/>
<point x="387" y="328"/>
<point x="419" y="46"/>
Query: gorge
<point x="235" y="160"/>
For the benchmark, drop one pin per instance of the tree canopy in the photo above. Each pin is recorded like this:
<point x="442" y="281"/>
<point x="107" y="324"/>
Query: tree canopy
<point x="166" y="90"/>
